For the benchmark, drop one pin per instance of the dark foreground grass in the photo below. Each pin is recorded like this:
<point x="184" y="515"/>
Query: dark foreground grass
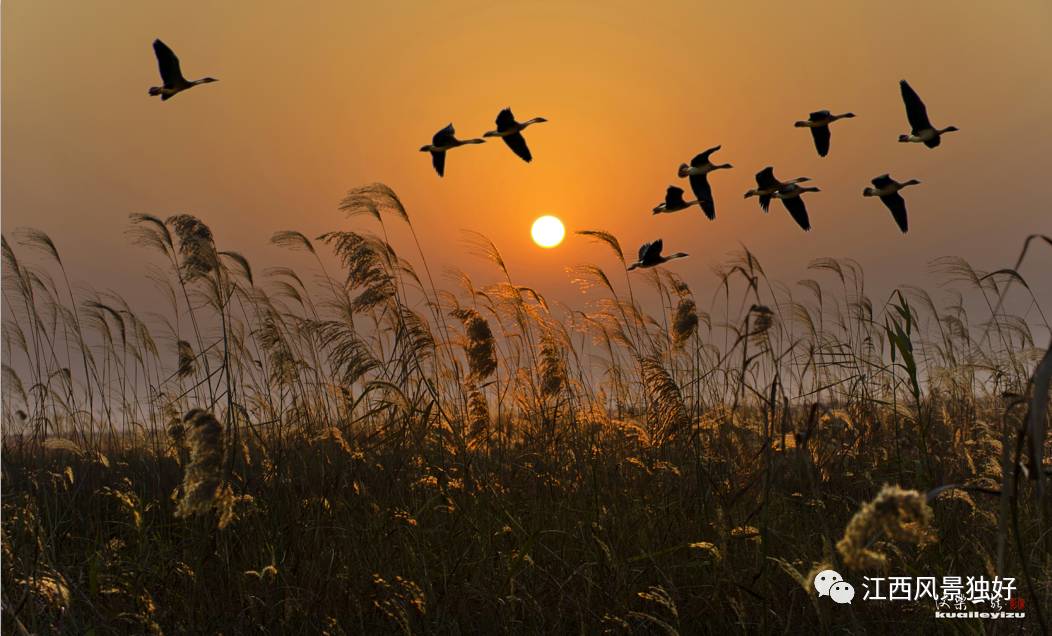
<point x="334" y="535"/>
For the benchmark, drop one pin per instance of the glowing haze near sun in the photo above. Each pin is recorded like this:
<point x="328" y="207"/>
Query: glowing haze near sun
<point x="548" y="231"/>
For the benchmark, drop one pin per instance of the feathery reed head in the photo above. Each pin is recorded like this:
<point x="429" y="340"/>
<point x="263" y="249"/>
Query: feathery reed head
<point x="480" y="348"/>
<point x="684" y="322"/>
<point x="202" y="476"/>
<point x="195" y="246"/>
<point x="898" y="514"/>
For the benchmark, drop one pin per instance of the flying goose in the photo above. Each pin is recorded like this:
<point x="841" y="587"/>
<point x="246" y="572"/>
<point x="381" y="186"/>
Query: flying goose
<point x="794" y="203"/>
<point x="174" y="82"/>
<point x="818" y="122"/>
<point x="444" y="140"/>
<point x="650" y="256"/>
<point x="700" y="166"/>
<point x="888" y="191"/>
<point x="921" y="129"/>
<point x="674" y="201"/>
<point x="511" y="132"/>
<point x="767" y="185"/>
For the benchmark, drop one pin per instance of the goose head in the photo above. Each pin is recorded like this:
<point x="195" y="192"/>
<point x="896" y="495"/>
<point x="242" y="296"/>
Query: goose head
<point x="684" y="170"/>
<point x="206" y="80"/>
<point x="911" y="182"/>
<point x="752" y="193"/>
<point x="949" y="129"/>
<point x="492" y="133"/>
<point x="426" y="148"/>
<point x="904" y="138"/>
<point x="870" y="192"/>
<point x="802" y="124"/>
<point x="846" y="116"/>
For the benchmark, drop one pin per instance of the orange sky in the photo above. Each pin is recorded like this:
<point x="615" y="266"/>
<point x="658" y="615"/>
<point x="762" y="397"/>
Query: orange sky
<point x="318" y="97"/>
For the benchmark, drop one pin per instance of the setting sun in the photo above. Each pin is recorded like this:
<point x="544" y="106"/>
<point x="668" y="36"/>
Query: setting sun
<point x="548" y="231"/>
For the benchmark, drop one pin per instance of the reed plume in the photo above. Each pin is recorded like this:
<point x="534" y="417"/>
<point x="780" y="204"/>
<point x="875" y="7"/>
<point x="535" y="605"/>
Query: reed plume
<point x="479" y="346"/>
<point x="684" y="322"/>
<point x="202" y="476"/>
<point x="196" y="246"/>
<point x="898" y="514"/>
<point x="669" y="413"/>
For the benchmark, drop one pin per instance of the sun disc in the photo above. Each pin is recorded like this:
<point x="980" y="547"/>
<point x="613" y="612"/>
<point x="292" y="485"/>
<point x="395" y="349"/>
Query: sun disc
<point x="548" y="231"/>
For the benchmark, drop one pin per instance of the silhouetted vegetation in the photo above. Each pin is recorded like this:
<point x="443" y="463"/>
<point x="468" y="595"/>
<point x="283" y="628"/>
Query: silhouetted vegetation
<point x="362" y="452"/>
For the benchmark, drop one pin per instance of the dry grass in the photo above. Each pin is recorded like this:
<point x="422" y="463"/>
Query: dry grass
<point x="364" y="452"/>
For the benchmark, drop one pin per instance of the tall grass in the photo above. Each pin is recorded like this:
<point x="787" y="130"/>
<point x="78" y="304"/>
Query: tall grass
<point x="364" y="452"/>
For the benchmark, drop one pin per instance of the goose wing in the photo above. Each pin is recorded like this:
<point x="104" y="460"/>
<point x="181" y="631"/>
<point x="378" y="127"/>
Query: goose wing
<point x="703" y="158"/>
<point x="916" y="113"/>
<point x="443" y="137"/>
<point x="765" y="179"/>
<point x="897" y="205"/>
<point x="821" y="135"/>
<point x="168" y="64"/>
<point x="699" y="183"/>
<point x="650" y="251"/>
<point x="673" y="197"/>
<point x="506" y="120"/>
<point x="796" y="208"/>
<point x="882" y="181"/>
<point x="438" y="160"/>
<point x="765" y="202"/>
<point x="517" y="143"/>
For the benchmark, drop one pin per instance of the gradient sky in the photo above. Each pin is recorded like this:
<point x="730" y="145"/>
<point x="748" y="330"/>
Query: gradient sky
<point x="315" y="98"/>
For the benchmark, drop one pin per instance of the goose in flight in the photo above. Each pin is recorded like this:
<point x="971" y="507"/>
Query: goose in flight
<point x="818" y="122"/>
<point x="767" y="185"/>
<point x="444" y="140"/>
<point x="171" y="76"/>
<point x="794" y="203"/>
<point x="650" y="256"/>
<point x="511" y="132"/>
<point x="921" y="130"/>
<point x="888" y="190"/>
<point x="698" y="170"/>
<point x="674" y="201"/>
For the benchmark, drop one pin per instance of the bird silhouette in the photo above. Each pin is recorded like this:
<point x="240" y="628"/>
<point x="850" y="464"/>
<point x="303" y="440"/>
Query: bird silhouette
<point x="888" y="190"/>
<point x="511" y="132"/>
<point x="172" y="78"/>
<point x="921" y="130"/>
<point x="650" y="256"/>
<point x="698" y="170"/>
<point x="674" y="201"/>
<point x="818" y="122"/>
<point x="767" y="185"/>
<point x="790" y="196"/>
<point x="445" y="139"/>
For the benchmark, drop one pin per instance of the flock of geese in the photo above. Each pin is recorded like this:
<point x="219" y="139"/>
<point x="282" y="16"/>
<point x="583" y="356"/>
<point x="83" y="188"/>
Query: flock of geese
<point x="768" y="187"/>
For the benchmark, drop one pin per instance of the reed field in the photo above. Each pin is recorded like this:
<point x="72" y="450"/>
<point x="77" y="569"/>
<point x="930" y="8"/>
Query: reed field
<point x="380" y="448"/>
